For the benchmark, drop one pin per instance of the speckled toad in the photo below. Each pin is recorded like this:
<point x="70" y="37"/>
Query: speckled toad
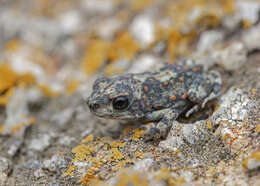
<point x="159" y="96"/>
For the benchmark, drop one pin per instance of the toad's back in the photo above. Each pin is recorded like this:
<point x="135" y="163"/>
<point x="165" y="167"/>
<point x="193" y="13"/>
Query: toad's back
<point x="166" y="87"/>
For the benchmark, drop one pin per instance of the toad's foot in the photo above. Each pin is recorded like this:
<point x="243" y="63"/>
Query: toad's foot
<point x="161" y="130"/>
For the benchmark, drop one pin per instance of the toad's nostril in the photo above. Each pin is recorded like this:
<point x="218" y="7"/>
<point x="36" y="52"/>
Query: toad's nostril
<point x="93" y="106"/>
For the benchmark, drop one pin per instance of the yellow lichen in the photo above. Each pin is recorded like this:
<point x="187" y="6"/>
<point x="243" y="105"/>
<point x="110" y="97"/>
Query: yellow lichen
<point x="7" y="77"/>
<point x="227" y="138"/>
<point x="209" y="125"/>
<point x="254" y="156"/>
<point x="27" y="79"/>
<point x="47" y="91"/>
<point x="132" y="179"/>
<point x="124" y="46"/>
<point x="127" y="129"/>
<point x="257" y="129"/>
<point x="12" y="45"/>
<point x="138" y="5"/>
<point x="116" y="154"/>
<point x="2" y="128"/>
<point x="81" y="152"/>
<point x="72" y="87"/>
<point x="17" y="127"/>
<point x="137" y="134"/>
<point x="89" y="138"/>
<point x="165" y="175"/>
<point x="95" y="56"/>
<point x="69" y="171"/>
<point x="253" y="91"/>
<point x="115" y="144"/>
<point x="88" y="177"/>
<point x="139" y="155"/>
<point x="246" y="24"/>
<point x="31" y="120"/>
<point x="5" y="98"/>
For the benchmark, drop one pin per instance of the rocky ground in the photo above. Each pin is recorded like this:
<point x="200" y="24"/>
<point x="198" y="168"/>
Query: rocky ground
<point x="52" y="51"/>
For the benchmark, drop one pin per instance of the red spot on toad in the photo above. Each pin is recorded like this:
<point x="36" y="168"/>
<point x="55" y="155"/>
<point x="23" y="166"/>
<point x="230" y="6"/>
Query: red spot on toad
<point x="184" y="96"/>
<point x="173" y="98"/>
<point x="195" y="69"/>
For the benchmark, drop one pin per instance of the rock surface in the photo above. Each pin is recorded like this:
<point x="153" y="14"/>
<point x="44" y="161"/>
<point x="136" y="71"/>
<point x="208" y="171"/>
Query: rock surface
<point x="51" y="53"/>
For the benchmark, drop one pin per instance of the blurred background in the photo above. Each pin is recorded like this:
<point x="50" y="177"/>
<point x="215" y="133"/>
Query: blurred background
<point x="51" y="52"/>
<point x="57" y="45"/>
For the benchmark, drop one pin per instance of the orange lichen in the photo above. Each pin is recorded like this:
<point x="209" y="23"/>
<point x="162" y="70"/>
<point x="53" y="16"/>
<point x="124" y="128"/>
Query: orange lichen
<point x="173" y="41"/>
<point x="246" y="24"/>
<point x="112" y="69"/>
<point x="139" y="155"/>
<point x="165" y="175"/>
<point x="95" y="56"/>
<point x="127" y="129"/>
<point x="12" y="45"/>
<point x="17" y="127"/>
<point x="88" y="177"/>
<point x="252" y="158"/>
<point x="7" y="77"/>
<point x="137" y="134"/>
<point x="257" y="129"/>
<point x="2" y="128"/>
<point x="116" y="154"/>
<point x="72" y="87"/>
<point x="135" y="178"/>
<point x="115" y="144"/>
<point x="124" y="46"/>
<point x="121" y="164"/>
<point x="81" y="152"/>
<point x="216" y="108"/>
<point x="229" y="6"/>
<point x="228" y="138"/>
<point x="27" y="79"/>
<point x="47" y="91"/>
<point x="253" y="91"/>
<point x="87" y="139"/>
<point x="31" y="120"/>
<point x="211" y="20"/>
<point x="209" y="124"/>
<point x="4" y="99"/>
<point x="138" y="5"/>
<point x="69" y="172"/>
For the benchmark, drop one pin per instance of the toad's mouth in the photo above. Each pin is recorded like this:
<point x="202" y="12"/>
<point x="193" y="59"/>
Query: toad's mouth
<point x="118" y="116"/>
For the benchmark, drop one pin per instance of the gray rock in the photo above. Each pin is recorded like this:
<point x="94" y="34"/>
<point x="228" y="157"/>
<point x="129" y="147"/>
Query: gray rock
<point x="54" y="164"/>
<point x="41" y="143"/>
<point x="5" y="169"/>
<point x="232" y="57"/>
<point x="142" y="29"/>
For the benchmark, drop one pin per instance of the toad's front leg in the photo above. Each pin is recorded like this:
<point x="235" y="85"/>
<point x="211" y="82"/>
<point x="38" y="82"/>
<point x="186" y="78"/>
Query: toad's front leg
<point x="165" y="118"/>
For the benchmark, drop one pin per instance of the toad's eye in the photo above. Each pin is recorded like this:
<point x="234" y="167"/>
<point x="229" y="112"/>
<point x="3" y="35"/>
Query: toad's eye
<point x="120" y="103"/>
